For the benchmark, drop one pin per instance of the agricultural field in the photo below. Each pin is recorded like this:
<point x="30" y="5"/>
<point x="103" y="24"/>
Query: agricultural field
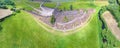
<point x="78" y="24"/>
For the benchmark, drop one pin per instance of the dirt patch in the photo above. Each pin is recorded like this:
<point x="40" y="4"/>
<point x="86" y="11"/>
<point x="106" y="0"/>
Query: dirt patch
<point x="112" y="24"/>
<point x="4" y="13"/>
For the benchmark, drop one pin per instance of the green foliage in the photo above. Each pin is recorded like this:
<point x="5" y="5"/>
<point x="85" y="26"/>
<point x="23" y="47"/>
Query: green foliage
<point x="102" y="10"/>
<point x="8" y="2"/>
<point x="2" y="5"/>
<point x="109" y="41"/>
<point x="52" y="20"/>
<point x="71" y="7"/>
<point x="5" y="3"/>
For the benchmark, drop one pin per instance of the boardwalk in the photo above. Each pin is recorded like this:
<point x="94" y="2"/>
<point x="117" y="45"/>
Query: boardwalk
<point x="4" y="13"/>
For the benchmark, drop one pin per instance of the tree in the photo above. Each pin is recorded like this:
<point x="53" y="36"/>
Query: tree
<point x="52" y="19"/>
<point x="118" y="2"/>
<point x="71" y="7"/>
<point x="9" y="2"/>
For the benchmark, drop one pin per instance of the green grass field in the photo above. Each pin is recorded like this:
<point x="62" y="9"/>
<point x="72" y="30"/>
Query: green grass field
<point x="22" y="31"/>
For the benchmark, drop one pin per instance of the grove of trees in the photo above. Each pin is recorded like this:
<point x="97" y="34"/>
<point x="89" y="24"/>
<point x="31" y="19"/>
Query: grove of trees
<point x="4" y="3"/>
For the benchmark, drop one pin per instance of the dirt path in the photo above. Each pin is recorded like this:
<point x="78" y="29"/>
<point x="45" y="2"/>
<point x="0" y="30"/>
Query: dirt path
<point x="112" y="24"/>
<point x="4" y="13"/>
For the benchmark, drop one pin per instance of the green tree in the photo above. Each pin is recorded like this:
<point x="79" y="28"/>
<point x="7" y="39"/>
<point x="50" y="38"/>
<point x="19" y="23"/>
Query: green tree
<point x="8" y="2"/>
<point x="71" y="7"/>
<point x="118" y="2"/>
<point x="53" y="19"/>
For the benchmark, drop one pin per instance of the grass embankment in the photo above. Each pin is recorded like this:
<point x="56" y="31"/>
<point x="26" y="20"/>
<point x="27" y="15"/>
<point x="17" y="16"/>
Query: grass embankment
<point x="23" y="31"/>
